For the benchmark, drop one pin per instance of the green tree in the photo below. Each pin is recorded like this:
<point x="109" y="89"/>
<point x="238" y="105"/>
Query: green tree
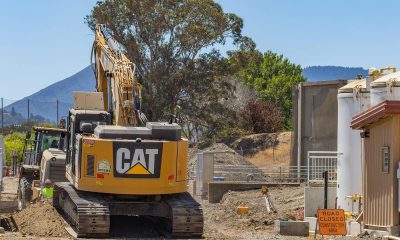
<point x="172" y="43"/>
<point x="272" y="75"/>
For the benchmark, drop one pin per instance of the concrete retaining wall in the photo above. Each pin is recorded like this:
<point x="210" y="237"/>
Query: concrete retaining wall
<point x="314" y="118"/>
<point x="216" y="190"/>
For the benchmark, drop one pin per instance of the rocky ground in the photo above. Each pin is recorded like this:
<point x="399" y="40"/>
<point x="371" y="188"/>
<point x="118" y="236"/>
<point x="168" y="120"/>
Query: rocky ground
<point x="42" y="221"/>
<point x="222" y="221"/>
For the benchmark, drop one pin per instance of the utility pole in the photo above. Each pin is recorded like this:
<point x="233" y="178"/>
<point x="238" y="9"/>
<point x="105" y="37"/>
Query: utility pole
<point x="29" y="115"/>
<point x="58" y="120"/>
<point x="2" y="116"/>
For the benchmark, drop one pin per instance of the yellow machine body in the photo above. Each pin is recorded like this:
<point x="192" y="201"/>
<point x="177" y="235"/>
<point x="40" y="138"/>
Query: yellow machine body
<point x="130" y="167"/>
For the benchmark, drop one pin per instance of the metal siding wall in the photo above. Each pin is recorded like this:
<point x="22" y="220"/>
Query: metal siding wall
<point x="395" y="163"/>
<point x="380" y="198"/>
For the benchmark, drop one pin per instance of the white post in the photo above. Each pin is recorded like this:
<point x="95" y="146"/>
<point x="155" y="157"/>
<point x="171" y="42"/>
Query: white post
<point x="299" y="132"/>
<point x="308" y="168"/>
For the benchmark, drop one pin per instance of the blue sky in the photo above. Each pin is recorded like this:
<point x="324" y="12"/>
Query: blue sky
<point x="45" y="41"/>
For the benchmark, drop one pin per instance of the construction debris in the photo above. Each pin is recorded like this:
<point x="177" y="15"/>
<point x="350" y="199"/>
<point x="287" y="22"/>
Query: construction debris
<point x="268" y="202"/>
<point x="242" y="210"/>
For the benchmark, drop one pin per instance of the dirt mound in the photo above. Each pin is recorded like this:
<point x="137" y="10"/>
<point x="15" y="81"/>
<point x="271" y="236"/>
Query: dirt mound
<point x="277" y="155"/>
<point x="224" y="156"/>
<point x="222" y="217"/>
<point x="254" y="143"/>
<point x="41" y="220"/>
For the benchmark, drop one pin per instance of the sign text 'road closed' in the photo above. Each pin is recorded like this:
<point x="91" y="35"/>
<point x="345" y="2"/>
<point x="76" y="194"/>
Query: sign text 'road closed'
<point x="332" y="222"/>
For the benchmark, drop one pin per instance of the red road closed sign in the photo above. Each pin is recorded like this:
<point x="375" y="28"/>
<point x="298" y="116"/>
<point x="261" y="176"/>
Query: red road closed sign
<point x="332" y="222"/>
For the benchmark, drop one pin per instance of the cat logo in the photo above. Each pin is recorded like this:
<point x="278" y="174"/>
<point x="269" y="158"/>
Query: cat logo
<point x="137" y="160"/>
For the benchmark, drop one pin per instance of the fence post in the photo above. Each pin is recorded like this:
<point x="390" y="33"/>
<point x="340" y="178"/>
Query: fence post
<point x="325" y="190"/>
<point x="2" y="116"/>
<point x="308" y="168"/>
<point x="280" y="173"/>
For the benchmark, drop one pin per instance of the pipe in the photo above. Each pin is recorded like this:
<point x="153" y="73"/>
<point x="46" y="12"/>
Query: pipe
<point x="391" y="237"/>
<point x="110" y="40"/>
<point x="393" y="69"/>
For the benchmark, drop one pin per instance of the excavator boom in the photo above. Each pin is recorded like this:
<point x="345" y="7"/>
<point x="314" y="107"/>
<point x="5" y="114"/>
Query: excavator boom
<point x="115" y="78"/>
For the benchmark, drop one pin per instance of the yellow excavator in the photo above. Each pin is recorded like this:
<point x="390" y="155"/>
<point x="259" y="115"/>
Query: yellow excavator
<point x="116" y="168"/>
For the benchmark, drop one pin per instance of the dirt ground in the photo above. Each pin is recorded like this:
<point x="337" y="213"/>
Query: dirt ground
<point x="222" y="221"/>
<point x="276" y="156"/>
<point x="41" y="220"/>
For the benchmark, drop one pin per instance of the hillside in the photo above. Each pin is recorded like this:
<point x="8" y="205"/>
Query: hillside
<point x="319" y="73"/>
<point x="43" y="102"/>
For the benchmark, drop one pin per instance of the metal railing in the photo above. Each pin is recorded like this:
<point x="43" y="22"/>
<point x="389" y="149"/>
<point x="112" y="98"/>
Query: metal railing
<point x="317" y="163"/>
<point x="254" y="173"/>
<point x="320" y="161"/>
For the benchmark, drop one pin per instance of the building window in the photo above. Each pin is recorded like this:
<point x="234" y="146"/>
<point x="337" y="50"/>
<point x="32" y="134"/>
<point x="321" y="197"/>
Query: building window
<point x="385" y="156"/>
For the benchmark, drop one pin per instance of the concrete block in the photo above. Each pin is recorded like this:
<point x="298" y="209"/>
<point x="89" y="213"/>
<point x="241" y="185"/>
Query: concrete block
<point x="314" y="199"/>
<point x="292" y="228"/>
<point x="8" y="206"/>
<point x="353" y="228"/>
<point x="2" y="230"/>
<point x="216" y="190"/>
<point x="313" y="222"/>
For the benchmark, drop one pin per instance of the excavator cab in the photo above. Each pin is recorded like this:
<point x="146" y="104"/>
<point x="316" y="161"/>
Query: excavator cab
<point x="81" y="123"/>
<point x="43" y="139"/>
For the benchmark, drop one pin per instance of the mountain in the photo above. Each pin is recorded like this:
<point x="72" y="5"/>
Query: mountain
<point x="43" y="102"/>
<point x="320" y="73"/>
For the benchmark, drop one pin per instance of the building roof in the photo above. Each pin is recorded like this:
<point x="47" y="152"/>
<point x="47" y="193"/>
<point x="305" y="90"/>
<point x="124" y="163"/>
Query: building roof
<point x="352" y="85"/>
<point x="374" y="114"/>
<point x="325" y="82"/>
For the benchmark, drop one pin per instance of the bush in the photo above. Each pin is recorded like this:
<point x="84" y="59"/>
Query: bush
<point x="14" y="142"/>
<point x="262" y="117"/>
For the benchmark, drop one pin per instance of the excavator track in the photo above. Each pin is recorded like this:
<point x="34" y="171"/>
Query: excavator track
<point x="187" y="216"/>
<point x="88" y="214"/>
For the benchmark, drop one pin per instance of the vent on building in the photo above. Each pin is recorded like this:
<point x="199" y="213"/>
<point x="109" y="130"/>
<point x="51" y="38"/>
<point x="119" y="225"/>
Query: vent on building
<point x="90" y="165"/>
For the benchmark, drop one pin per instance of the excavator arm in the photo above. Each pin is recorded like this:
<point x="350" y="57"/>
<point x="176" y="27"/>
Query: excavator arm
<point x="115" y="78"/>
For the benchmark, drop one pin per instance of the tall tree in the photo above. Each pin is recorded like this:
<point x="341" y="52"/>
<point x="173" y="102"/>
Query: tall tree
<point x="272" y="75"/>
<point x="171" y="42"/>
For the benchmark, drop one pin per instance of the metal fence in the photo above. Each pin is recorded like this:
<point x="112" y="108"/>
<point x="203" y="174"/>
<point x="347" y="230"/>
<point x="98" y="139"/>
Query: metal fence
<point x="320" y="161"/>
<point x="254" y="173"/>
